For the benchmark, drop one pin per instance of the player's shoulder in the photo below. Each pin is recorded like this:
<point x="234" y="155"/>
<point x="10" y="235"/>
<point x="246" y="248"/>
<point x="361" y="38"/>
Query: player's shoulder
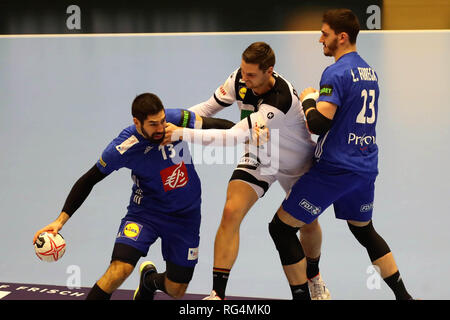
<point x="348" y="61"/>
<point x="236" y="75"/>
<point x="335" y="70"/>
<point x="181" y="117"/>
<point x="282" y="88"/>
<point x="127" y="139"/>
<point x="118" y="152"/>
<point x="236" y="78"/>
<point x="127" y="132"/>
<point x="364" y="66"/>
<point x="338" y="71"/>
<point x="281" y="95"/>
<point x="174" y="115"/>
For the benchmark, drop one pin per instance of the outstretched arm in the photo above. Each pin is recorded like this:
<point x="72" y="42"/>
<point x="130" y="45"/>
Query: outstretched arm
<point x="245" y="130"/>
<point x="213" y="137"/>
<point x="216" y="123"/>
<point x="80" y="191"/>
<point x="189" y="119"/>
<point x="207" y="108"/>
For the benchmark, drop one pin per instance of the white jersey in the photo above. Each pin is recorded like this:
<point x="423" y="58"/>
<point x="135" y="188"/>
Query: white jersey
<point x="280" y="110"/>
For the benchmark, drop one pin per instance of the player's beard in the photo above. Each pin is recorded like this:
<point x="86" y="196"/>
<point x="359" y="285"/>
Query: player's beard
<point x="152" y="138"/>
<point x="330" y="49"/>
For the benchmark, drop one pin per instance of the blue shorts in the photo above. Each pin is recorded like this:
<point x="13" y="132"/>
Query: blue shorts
<point x="351" y="194"/>
<point x="180" y="234"/>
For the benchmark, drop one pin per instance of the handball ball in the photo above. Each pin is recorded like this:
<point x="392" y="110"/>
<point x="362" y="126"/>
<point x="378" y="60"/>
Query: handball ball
<point x="48" y="247"/>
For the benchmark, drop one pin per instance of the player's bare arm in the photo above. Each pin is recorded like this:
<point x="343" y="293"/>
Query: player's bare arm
<point x="53" y="227"/>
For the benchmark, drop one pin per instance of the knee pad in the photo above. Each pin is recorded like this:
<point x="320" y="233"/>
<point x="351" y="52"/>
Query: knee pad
<point x="126" y="253"/>
<point x="286" y="241"/>
<point x="179" y="274"/>
<point x="371" y="240"/>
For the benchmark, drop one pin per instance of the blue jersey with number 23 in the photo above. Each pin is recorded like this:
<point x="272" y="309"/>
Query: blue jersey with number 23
<point x="352" y="85"/>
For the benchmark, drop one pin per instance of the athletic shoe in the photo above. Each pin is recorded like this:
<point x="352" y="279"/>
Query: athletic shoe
<point x="318" y="289"/>
<point x="212" y="296"/>
<point x="142" y="293"/>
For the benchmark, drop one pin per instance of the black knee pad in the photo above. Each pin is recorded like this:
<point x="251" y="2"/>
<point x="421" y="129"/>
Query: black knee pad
<point x="371" y="240"/>
<point x="179" y="274"/>
<point x="126" y="253"/>
<point x="286" y="241"/>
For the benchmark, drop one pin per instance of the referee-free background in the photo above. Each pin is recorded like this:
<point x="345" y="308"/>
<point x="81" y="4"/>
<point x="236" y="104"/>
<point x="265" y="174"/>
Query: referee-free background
<point x="63" y="99"/>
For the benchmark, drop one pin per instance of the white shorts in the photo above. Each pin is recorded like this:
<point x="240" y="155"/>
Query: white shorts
<point x="261" y="177"/>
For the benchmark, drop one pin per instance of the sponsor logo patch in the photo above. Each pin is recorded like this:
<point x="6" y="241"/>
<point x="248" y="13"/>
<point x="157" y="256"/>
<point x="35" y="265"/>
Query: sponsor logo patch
<point x="131" y="230"/>
<point x="362" y="141"/>
<point x="193" y="253"/>
<point x="222" y="91"/>
<point x="366" y="207"/>
<point x="186" y="117"/>
<point x="102" y="163"/>
<point x="174" y="177"/>
<point x="308" y="206"/>
<point x="249" y="161"/>
<point x="127" y="144"/>
<point x="148" y="149"/>
<point x="326" y="90"/>
<point x="242" y="92"/>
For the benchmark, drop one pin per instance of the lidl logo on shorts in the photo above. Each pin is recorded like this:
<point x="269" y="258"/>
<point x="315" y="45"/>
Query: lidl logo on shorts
<point x="366" y="207"/>
<point x="132" y="230"/>
<point x="308" y="206"/>
<point x="193" y="253"/>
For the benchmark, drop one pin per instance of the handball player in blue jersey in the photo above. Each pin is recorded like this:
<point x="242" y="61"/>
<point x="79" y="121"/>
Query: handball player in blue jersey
<point x="344" y="114"/>
<point x="165" y="200"/>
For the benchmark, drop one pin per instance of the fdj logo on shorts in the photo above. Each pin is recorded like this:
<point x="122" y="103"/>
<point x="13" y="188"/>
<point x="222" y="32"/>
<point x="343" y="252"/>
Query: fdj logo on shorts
<point x="308" y="206"/>
<point x="366" y="207"/>
<point x="131" y="230"/>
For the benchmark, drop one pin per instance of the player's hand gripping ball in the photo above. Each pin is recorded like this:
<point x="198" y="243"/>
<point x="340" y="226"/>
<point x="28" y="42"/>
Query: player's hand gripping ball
<point x="49" y="247"/>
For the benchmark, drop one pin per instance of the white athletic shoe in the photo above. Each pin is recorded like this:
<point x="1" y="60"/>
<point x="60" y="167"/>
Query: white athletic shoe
<point x="317" y="289"/>
<point x="212" y="296"/>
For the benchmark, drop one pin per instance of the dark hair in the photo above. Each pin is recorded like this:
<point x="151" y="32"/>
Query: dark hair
<point x="144" y="105"/>
<point x="259" y="53"/>
<point x="342" y="20"/>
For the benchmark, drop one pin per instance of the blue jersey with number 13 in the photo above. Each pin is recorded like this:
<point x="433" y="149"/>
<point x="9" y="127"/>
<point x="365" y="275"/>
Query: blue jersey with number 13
<point x="165" y="180"/>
